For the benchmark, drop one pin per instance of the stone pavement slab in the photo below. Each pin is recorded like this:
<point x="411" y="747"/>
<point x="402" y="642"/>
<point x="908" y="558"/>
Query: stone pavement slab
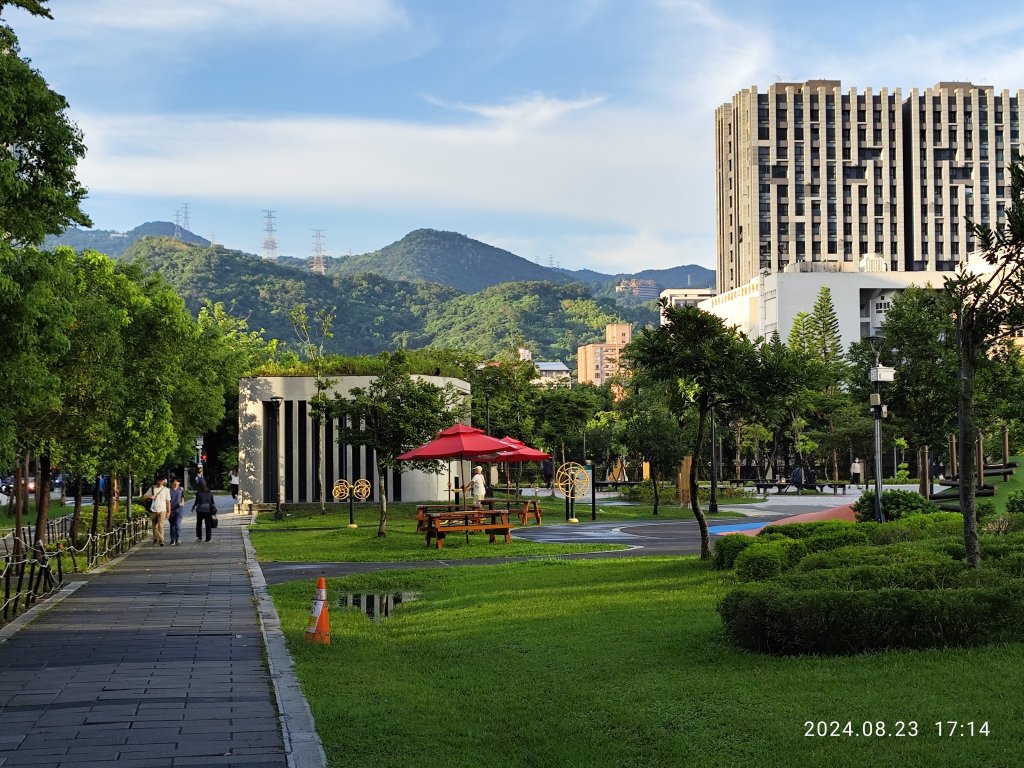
<point x="158" y="661"/>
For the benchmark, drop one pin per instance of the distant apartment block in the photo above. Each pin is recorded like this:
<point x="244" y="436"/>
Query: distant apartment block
<point x="646" y="290"/>
<point x="685" y="297"/>
<point x="597" y="363"/>
<point x="809" y="173"/>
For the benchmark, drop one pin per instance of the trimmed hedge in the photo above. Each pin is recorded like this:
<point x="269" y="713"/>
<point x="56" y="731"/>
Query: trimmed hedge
<point x="917" y="552"/>
<point x="910" y="575"/>
<point x="728" y="547"/>
<point x="772" y="618"/>
<point x="805" y="530"/>
<point x="915" y="527"/>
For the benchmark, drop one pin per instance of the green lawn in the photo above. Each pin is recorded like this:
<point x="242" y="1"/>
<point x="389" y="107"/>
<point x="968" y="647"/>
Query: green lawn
<point x="620" y="663"/>
<point x="308" y="536"/>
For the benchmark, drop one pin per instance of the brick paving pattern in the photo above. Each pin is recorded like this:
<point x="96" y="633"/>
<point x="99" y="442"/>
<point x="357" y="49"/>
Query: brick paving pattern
<point x="157" y="662"/>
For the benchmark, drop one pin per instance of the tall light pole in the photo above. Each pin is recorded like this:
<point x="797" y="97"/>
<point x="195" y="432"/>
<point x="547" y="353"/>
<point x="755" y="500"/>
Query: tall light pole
<point x="878" y="374"/>
<point x="713" y="501"/>
<point x="277" y="400"/>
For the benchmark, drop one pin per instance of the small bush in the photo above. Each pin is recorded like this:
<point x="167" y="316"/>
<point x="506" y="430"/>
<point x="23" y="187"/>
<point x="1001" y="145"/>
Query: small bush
<point x="1011" y="565"/>
<point x="994" y="547"/>
<point x="915" y="527"/>
<point x="1003" y="524"/>
<point x="760" y="562"/>
<point x="827" y="540"/>
<point x="1015" y="503"/>
<point x="895" y="505"/>
<point x="772" y="618"/>
<point x="984" y="509"/>
<point x="728" y="547"/>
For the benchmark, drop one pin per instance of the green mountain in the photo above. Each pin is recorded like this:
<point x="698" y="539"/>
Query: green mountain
<point x="115" y="243"/>
<point x="375" y="313"/>
<point x="446" y="257"/>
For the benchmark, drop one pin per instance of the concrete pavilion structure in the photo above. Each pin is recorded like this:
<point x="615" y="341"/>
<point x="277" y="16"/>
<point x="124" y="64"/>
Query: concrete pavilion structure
<point x="283" y="461"/>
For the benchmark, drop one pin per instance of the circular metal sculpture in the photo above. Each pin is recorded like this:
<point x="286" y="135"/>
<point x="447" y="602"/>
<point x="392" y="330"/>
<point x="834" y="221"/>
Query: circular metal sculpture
<point x="341" y="490"/>
<point x="361" y="489"/>
<point x="572" y="480"/>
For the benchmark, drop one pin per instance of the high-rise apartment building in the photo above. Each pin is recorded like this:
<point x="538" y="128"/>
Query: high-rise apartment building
<point x="597" y="363"/>
<point x="807" y="172"/>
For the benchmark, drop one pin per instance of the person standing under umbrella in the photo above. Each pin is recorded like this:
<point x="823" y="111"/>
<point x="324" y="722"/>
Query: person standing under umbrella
<point x="479" y="488"/>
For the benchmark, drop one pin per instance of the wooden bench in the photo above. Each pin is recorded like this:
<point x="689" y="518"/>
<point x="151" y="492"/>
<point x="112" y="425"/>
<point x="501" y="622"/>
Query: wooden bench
<point x="440" y="524"/>
<point x="422" y="510"/>
<point x="530" y="507"/>
<point x="820" y="487"/>
<point x="765" y="487"/>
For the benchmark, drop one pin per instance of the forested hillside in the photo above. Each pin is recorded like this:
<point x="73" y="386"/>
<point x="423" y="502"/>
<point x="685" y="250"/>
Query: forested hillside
<point x="445" y="257"/>
<point x="116" y="243"/>
<point x="375" y="313"/>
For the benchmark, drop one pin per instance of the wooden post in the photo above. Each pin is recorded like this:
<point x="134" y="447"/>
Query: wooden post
<point x="954" y="469"/>
<point x="981" y="460"/>
<point x="1006" y="446"/>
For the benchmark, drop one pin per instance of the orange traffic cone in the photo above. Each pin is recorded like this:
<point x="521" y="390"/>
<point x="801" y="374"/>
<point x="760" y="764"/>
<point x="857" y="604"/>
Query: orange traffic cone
<point x="318" y="630"/>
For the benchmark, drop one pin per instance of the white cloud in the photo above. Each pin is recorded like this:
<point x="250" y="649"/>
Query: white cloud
<point x="84" y="16"/>
<point x="533" y="110"/>
<point x="599" y="165"/>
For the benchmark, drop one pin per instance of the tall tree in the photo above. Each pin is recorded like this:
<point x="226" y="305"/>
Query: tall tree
<point x="697" y="352"/>
<point x="39" y="149"/>
<point x="987" y="301"/>
<point x="394" y="414"/>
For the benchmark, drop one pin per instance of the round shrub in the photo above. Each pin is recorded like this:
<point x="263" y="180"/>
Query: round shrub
<point x="1011" y="565"/>
<point x="760" y="562"/>
<point x="728" y="547"/>
<point x="772" y="618"/>
<point x="895" y="505"/>
<point x="1004" y="524"/>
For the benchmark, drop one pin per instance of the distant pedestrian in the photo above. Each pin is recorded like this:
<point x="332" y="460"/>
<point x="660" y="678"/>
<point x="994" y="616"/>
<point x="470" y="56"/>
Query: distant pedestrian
<point x="159" y="509"/>
<point x="205" y="508"/>
<point x="856" y="471"/>
<point x="177" y="511"/>
<point x="548" y="470"/>
<point x="234" y="483"/>
<point x="797" y="478"/>
<point x="479" y="488"/>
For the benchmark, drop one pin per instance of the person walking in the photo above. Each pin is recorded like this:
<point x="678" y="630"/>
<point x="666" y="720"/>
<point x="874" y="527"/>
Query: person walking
<point x="205" y="508"/>
<point x="856" y="469"/>
<point x="234" y="484"/>
<point x="177" y="511"/>
<point x="159" y="509"/>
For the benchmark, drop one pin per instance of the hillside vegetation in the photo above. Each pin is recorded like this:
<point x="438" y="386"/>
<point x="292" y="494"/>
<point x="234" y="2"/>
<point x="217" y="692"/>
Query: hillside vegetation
<point x="375" y="313"/>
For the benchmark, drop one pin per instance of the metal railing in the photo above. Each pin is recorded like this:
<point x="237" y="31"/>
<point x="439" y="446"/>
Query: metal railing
<point x="36" y="573"/>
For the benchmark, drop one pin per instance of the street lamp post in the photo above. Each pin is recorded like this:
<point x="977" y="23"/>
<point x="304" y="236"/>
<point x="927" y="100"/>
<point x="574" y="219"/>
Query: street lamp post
<point x="877" y="375"/>
<point x="277" y="400"/>
<point x="713" y="501"/>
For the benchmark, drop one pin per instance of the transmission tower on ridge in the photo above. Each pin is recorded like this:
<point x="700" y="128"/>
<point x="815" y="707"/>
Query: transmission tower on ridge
<point x="177" y="224"/>
<point x="317" y="265"/>
<point x="269" y="241"/>
<point x="184" y="217"/>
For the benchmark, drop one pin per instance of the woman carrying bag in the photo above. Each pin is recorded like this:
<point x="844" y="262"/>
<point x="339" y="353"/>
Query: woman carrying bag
<point x="205" y="509"/>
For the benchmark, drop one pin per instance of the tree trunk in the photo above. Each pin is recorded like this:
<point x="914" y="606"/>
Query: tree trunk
<point x="113" y="500"/>
<point x="20" y="491"/>
<point x="702" y="523"/>
<point x="320" y="471"/>
<point x="76" y="514"/>
<point x="42" y="501"/>
<point x="94" y="528"/>
<point x="968" y="455"/>
<point x="654" y="486"/>
<point x="110" y="507"/>
<point x="382" y="526"/>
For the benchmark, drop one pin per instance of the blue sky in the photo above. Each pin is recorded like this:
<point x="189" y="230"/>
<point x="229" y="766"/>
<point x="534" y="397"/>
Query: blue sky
<point x="577" y="131"/>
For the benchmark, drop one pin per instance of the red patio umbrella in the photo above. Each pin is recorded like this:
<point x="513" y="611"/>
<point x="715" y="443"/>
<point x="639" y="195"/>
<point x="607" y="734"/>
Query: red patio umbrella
<point x="457" y="442"/>
<point x="517" y="453"/>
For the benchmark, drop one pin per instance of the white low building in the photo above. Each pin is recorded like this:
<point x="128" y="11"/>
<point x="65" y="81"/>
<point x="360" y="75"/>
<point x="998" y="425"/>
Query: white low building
<point x="283" y="461"/>
<point x="861" y="295"/>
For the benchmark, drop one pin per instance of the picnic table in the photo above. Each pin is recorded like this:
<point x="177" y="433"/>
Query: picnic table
<point x="422" y="510"/>
<point x="440" y="524"/>
<point x="764" y="487"/>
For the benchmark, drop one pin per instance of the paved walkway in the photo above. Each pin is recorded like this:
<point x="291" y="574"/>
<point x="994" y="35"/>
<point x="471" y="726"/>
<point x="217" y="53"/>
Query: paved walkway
<point x="158" y="661"/>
